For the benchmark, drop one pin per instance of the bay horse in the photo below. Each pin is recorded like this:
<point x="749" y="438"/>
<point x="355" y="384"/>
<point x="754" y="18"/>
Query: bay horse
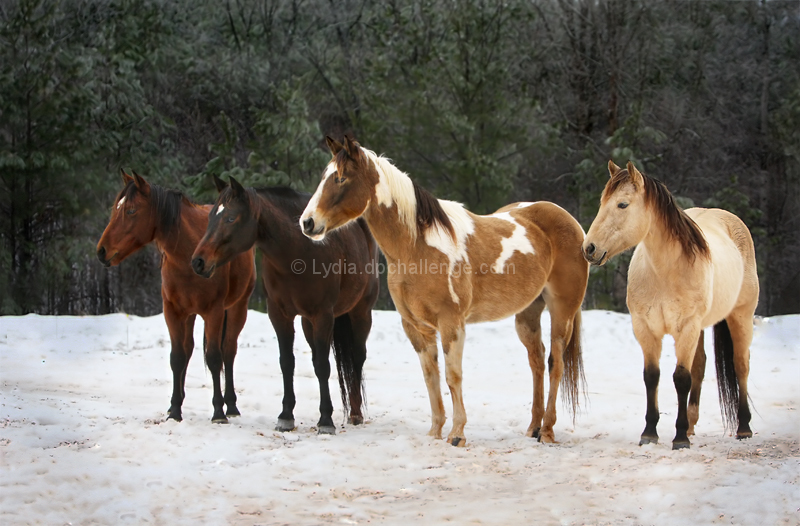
<point x="331" y="286"/>
<point x="448" y="267"/>
<point x="146" y="213"/>
<point x="691" y="269"/>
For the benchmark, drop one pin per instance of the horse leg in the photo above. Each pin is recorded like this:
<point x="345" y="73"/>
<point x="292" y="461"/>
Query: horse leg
<point x="182" y="344"/>
<point x="361" y="323"/>
<point x="213" y="352"/>
<point x="529" y="330"/>
<point x="319" y="332"/>
<point x="424" y="342"/>
<point x="561" y="320"/>
<point x="235" y="318"/>
<point x="453" y="346"/>
<point x="698" y="373"/>
<point x="651" y="350"/>
<point x="741" y="328"/>
<point x="685" y="346"/>
<point x="284" y="331"/>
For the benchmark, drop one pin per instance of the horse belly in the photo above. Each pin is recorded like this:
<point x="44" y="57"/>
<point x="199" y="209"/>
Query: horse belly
<point x="498" y="298"/>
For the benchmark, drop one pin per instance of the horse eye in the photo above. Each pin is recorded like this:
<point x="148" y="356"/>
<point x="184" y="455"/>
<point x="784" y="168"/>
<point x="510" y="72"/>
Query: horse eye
<point x="131" y="211"/>
<point x="622" y="205"/>
<point x="230" y="219"/>
<point x="339" y="180"/>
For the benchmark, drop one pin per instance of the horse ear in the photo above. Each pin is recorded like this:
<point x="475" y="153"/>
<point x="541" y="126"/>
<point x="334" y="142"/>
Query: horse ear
<point x="238" y="190"/>
<point x="125" y="177"/>
<point x="219" y="183"/>
<point x="141" y="184"/>
<point x="613" y="169"/>
<point x="333" y="145"/>
<point x="352" y="148"/>
<point x="636" y="177"/>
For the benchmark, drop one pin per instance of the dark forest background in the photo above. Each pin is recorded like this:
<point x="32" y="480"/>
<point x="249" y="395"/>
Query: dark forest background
<point x="485" y="102"/>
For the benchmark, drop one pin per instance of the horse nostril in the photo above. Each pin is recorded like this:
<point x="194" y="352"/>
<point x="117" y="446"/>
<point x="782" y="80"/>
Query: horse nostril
<point x="101" y="252"/>
<point x="590" y="249"/>
<point x="308" y="225"/>
<point x="198" y="264"/>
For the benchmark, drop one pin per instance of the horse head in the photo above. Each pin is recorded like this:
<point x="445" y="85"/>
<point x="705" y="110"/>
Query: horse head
<point x="622" y="220"/>
<point x="347" y="188"/>
<point x="131" y="226"/>
<point x="232" y="228"/>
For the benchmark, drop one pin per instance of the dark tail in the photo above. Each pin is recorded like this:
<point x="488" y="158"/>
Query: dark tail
<point x="573" y="381"/>
<point x="727" y="383"/>
<point x="348" y="364"/>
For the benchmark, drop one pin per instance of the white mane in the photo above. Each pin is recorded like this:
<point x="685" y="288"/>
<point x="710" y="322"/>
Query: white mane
<point x="394" y="186"/>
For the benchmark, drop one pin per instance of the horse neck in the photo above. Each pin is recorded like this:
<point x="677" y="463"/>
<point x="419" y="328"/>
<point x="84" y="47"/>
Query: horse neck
<point x="277" y="228"/>
<point x="179" y="242"/>
<point x="665" y="249"/>
<point x="390" y="232"/>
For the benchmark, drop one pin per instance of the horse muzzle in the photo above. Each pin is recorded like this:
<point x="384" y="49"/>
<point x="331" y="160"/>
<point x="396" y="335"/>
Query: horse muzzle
<point x="201" y="269"/>
<point x="311" y="229"/>
<point x="101" y="255"/>
<point x="592" y="255"/>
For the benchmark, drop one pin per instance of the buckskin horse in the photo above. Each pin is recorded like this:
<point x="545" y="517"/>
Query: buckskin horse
<point x="143" y="213"/>
<point x="476" y="268"/>
<point x="691" y="269"/>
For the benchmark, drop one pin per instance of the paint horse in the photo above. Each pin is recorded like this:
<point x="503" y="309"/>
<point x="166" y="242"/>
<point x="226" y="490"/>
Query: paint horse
<point x="333" y="287"/>
<point x="690" y="270"/>
<point x="145" y="213"/>
<point x="473" y="268"/>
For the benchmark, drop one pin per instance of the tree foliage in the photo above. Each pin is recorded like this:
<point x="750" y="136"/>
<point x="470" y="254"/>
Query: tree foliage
<point x="481" y="101"/>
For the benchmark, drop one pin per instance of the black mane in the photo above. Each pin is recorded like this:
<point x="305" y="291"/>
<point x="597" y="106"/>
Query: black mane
<point x="165" y="204"/>
<point x="289" y="200"/>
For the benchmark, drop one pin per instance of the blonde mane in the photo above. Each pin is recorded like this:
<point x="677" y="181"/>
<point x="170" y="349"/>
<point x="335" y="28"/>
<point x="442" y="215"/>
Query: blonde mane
<point x="394" y="186"/>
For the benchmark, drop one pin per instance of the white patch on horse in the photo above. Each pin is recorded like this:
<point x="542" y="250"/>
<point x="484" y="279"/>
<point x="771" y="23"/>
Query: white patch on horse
<point x="329" y="170"/>
<point x="220" y="208"/>
<point x="311" y="207"/>
<point x="518" y="242"/>
<point x="440" y="239"/>
<point x="120" y="203"/>
<point x="525" y="204"/>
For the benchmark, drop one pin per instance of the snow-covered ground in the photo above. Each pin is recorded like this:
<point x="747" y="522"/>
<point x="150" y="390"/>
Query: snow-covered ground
<point x="83" y="438"/>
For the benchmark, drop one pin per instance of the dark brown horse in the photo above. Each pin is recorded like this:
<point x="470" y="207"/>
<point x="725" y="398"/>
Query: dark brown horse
<point x="332" y="286"/>
<point x="143" y="213"/>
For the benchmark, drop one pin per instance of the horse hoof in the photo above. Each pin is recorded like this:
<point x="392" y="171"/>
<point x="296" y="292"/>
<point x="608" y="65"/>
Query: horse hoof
<point x="547" y="438"/>
<point x="681" y="445"/>
<point x="284" y="425"/>
<point x="356" y="420"/>
<point x="648" y="440"/>
<point x="233" y="411"/>
<point x="741" y="435"/>
<point x="535" y="433"/>
<point x="177" y="418"/>
<point x="458" y="442"/>
<point x="326" y="430"/>
<point x="220" y="420"/>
